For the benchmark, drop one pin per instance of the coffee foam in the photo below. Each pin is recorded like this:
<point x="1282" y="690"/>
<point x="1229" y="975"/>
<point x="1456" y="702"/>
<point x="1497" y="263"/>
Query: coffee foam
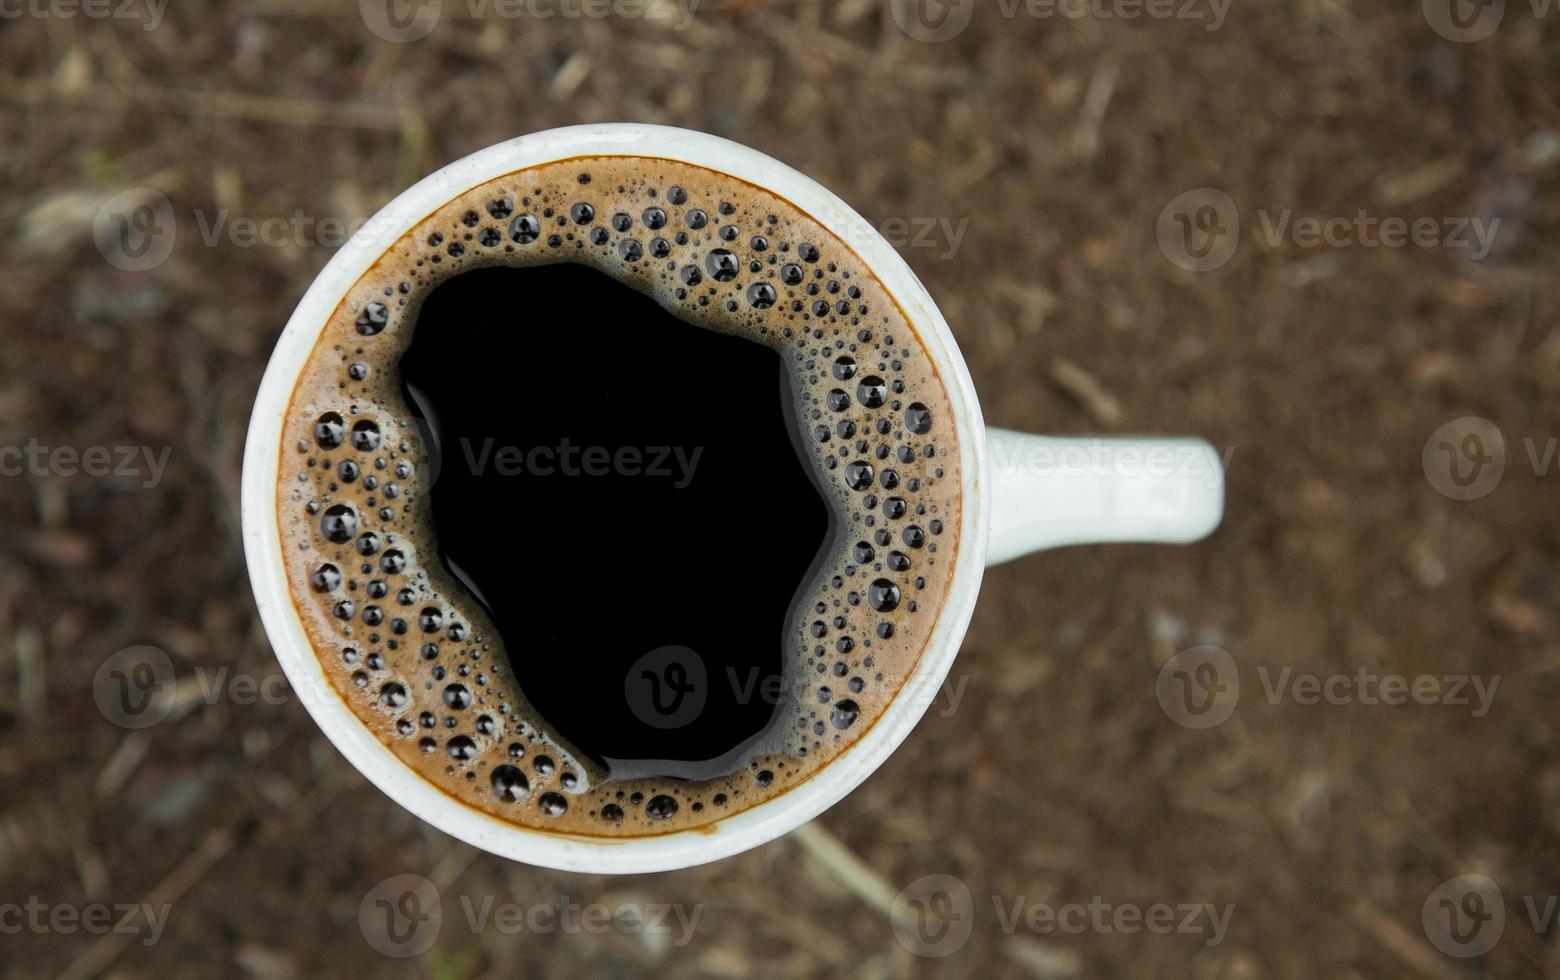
<point x="416" y="657"/>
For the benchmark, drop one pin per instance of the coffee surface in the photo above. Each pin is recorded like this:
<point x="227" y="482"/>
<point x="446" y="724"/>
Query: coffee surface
<point x="621" y="497"/>
<point x="605" y="651"/>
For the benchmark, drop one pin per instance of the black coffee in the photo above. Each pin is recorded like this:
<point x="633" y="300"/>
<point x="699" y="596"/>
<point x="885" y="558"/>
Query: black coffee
<point x="619" y="496"/>
<point x="590" y="496"/>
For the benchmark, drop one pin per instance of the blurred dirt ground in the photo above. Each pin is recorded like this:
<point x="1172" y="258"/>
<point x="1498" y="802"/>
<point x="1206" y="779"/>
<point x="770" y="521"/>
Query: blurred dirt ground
<point x="1322" y="369"/>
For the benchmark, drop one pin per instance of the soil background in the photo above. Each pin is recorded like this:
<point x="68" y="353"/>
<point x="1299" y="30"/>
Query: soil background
<point x="1052" y="145"/>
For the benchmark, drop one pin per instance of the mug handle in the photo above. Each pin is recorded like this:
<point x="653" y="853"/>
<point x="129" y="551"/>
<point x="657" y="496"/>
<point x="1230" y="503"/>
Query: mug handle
<point x="1052" y="492"/>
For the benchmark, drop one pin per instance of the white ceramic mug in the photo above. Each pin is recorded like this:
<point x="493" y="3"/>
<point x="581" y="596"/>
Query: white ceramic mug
<point x="1021" y="493"/>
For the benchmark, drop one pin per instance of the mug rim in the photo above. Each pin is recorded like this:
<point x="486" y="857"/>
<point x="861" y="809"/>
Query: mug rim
<point x="730" y="835"/>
